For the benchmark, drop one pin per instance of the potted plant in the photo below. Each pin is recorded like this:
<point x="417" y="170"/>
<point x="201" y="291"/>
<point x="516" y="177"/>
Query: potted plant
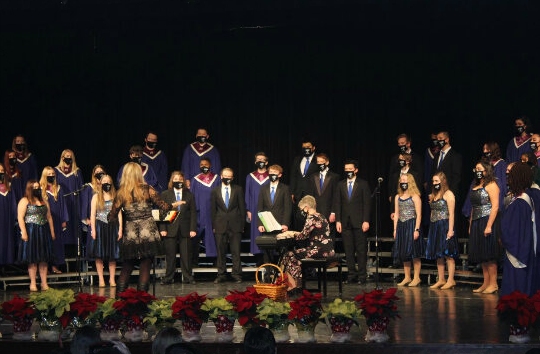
<point x="21" y="312"/>
<point x="81" y="310"/>
<point x="519" y="310"/>
<point x="109" y="319"/>
<point x="245" y="304"/>
<point x="378" y="308"/>
<point x="133" y="307"/>
<point x="221" y="312"/>
<point x="305" y="313"/>
<point x="50" y="306"/>
<point x="160" y="314"/>
<point x="188" y="310"/>
<point x="276" y="315"/>
<point x="340" y="316"/>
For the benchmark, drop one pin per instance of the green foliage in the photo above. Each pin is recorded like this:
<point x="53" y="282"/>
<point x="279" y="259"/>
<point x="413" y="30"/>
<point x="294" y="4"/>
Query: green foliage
<point x="219" y="307"/>
<point x="52" y="303"/>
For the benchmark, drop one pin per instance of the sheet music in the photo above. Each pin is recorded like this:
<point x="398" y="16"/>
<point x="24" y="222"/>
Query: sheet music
<point x="269" y="222"/>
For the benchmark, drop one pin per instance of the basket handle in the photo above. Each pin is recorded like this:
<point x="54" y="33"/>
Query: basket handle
<point x="264" y="265"/>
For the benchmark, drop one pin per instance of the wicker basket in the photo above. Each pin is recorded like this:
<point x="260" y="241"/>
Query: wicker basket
<point x="276" y="292"/>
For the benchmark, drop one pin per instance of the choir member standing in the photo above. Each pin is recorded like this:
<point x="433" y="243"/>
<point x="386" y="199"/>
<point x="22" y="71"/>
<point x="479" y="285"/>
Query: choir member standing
<point x="201" y="187"/>
<point x="8" y="215"/>
<point x="353" y="208"/>
<point x="409" y="244"/>
<point x="25" y="159"/>
<point x="13" y="175"/>
<point x="70" y="179"/>
<point x="405" y="163"/>
<point x="448" y="161"/>
<point x="535" y="145"/>
<point x="156" y="159"/>
<point x="254" y="182"/>
<point x="105" y="236"/>
<point x="136" y="156"/>
<point x="442" y="243"/>
<point x="52" y="193"/>
<point x="520" y="142"/>
<point x="301" y="170"/>
<point x="197" y="150"/>
<point x="530" y="159"/>
<point x="37" y="234"/>
<point x="88" y="192"/>
<point x="416" y="163"/>
<point x="431" y="152"/>
<point x="228" y="219"/>
<point x="275" y="198"/>
<point x="484" y="229"/>
<point x="141" y="240"/>
<point x="181" y="230"/>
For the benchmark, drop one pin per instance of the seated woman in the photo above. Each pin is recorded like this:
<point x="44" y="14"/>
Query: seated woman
<point x="319" y="244"/>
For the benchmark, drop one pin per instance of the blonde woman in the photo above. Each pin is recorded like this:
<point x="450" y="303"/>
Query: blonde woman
<point x="52" y="193"/>
<point x="409" y="244"/>
<point x="442" y="243"/>
<point x="141" y="240"/>
<point x="37" y="234"/>
<point x="88" y="192"/>
<point x="105" y="235"/>
<point x="69" y="177"/>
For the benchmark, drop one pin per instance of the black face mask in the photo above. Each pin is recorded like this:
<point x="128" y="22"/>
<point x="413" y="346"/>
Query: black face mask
<point x="534" y="146"/>
<point x="434" y="142"/>
<point x="487" y="154"/>
<point x="273" y="177"/>
<point x="307" y="152"/>
<point x="51" y="179"/>
<point x="2" y="176"/>
<point x="20" y="147"/>
<point x="37" y="193"/>
<point x="99" y="175"/>
<point x="136" y="159"/>
<point x="437" y="187"/>
<point x="260" y="164"/>
<point x="226" y="181"/>
<point x="442" y="143"/>
<point x="68" y="161"/>
<point x="202" y="139"/>
<point x="478" y="175"/>
<point x="12" y="161"/>
<point x="402" y="163"/>
<point x="151" y="144"/>
<point x="519" y="129"/>
<point x="205" y="169"/>
<point x="402" y="148"/>
<point x="106" y="187"/>
<point x="322" y="166"/>
<point x="349" y="174"/>
<point x="404" y="186"/>
<point x="178" y="185"/>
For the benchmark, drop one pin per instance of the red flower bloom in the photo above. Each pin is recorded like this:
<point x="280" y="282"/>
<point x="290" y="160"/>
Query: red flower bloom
<point x="85" y="304"/>
<point x="245" y="303"/>
<point x="189" y="307"/>
<point x="133" y="304"/>
<point x="306" y="308"/>
<point x="377" y="305"/>
<point x="518" y="308"/>
<point x="17" y="308"/>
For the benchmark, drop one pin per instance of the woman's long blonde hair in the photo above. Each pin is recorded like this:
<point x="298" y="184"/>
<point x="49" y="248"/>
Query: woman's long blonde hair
<point x="43" y="183"/>
<point x="413" y="188"/>
<point x="131" y="185"/>
<point x="94" y="179"/>
<point x="62" y="164"/>
<point x="100" y="197"/>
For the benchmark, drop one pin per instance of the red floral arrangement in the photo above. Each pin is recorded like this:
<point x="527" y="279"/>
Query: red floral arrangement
<point x="281" y="281"/>
<point x="189" y="308"/>
<point x="306" y="309"/>
<point x="84" y="305"/>
<point x="378" y="305"/>
<point x="17" y="309"/>
<point x="245" y="303"/>
<point x="133" y="305"/>
<point x="519" y="308"/>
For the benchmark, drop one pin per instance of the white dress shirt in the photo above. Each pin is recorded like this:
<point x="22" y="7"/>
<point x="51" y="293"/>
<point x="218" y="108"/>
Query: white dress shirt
<point x="441" y="157"/>
<point x="303" y="162"/>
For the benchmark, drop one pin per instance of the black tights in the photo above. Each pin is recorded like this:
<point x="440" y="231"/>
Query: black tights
<point x="144" y="270"/>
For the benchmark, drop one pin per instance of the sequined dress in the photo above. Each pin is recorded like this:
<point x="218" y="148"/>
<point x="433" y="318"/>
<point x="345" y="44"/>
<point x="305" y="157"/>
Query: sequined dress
<point x="106" y="245"/>
<point x="482" y="248"/>
<point x="39" y="247"/>
<point x="438" y="246"/>
<point x="405" y="246"/>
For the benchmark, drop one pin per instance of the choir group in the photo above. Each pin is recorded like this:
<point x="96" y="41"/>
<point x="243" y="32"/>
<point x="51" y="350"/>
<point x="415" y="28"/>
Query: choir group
<point x="41" y="214"/>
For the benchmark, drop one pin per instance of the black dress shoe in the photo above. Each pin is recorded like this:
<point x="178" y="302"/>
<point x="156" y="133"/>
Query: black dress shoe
<point x="219" y="280"/>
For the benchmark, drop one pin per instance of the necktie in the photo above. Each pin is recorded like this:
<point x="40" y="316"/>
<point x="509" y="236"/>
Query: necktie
<point x="322" y="181"/>
<point x="272" y="194"/>
<point x="350" y="189"/>
<point x="440" y="160"/>
<point x="307" y="166"/>
<point x="178" y="199"/>
<point x="226" y="197"/>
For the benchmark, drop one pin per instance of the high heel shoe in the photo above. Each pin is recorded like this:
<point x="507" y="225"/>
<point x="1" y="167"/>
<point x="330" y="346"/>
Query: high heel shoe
<point x="404" y="282"/>
<point x="45" y="288"/>
<point x="414" y="283"/>
<point x="33" y="289"/>
<point x="448" y="285"/>
<point x="490" y="291"/>
<point x="437" y="285"/>
<point x="480" y="289"/>
<point x="121" y="287"/>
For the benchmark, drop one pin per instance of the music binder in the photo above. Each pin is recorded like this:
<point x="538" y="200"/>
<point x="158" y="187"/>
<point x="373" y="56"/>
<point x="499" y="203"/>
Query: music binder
<point x="269" y="221"/>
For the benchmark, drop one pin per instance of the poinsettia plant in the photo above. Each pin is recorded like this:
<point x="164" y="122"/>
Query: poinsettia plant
<point x="307" y="309"/>
<point x="219" y="307"/>
<point x="51" y="305"/>
<point x="518" y="308"/>
<point x="132" y="305"/>
<point x="378" y="305"/>
<point x="341" y="311"/>
<point x="160" y="313"/>
<point x="80" y="310"/>
<point x="190" y="308"/>
<point x="107" y="315"/>
<point x="17" y="309"/>
<point x="245" y="304"/>
<point x="274" y="313"/>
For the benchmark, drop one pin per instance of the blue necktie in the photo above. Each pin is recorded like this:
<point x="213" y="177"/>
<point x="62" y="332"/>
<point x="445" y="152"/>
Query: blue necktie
<point x="440" y="160"/>
<point x="350" y="189"/>
<point x="272" y="194"/>
<point x="226" y="197"/>
<point x="322" y="181"/>
<point x="178" y="199"/>
<point x="307" y="166"/>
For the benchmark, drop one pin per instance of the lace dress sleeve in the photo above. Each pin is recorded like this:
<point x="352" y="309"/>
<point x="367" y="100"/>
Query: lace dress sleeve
<point x="157" y="201"/>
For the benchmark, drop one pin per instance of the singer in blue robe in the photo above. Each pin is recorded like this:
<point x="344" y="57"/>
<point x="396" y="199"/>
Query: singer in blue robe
<point x="17" y="188"/>
<point x="60" y="216"/>
<point x="157" y="161"/>
<point x="28" y="167"/>
<point x="192" y="157"/>
<point x="86" y="201"/>
<point x="69" y="182"/>
<point x="499" y="170"/>
<point x="516" y="147"/>
<point x="254" y="182"/>
<point x="148" y="175"/>
<point x="201" y="187"/>
<point x="8" y="215"/>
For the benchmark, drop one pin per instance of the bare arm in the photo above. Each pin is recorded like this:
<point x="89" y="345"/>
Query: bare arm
<point x="493" y="192"/>
<point x="93" y="210"/>
<point x="50" y="220"/>
<point x="21" y="212"/>
<point x="396" y="212"/>
<point x="451" y="202"/>
<point x="120" y="225"/>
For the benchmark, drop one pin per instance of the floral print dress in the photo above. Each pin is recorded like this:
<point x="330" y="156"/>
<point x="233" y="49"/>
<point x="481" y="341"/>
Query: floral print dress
<point x="316" y="233"/>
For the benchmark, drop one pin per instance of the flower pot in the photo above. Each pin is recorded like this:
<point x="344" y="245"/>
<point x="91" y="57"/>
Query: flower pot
<point x="341" y="329"/>
<point x="519" y="334"/>
<point x="281" y="332"/>
<point x="110" y="330"/>
<point x="191" y="330"/>
<point x="377" y="331"/>
<point x="22" y="329"/>
<point x="49" y="335"/>
<point x="135" y="330"/>
<point x="224" y="329"/>
<point x="306" y="333"/>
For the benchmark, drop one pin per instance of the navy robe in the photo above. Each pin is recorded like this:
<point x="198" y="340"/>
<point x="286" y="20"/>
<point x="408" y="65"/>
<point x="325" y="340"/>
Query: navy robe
<point x="499" y="170"/>
<point x="8" y="238"/>
<point x="201" y="191"/>
<point x="158" y="163"/>
<point x="192" y="158"/>
<point x="518" y="239"/>
<point x="148" y="174"/>
<point x="28" y="168"/>
<point x="86" y="201"/>
<point x="59" y="214"/>
<point x="514" y="151"/>
<point x="253" y="186"/>
<point x="71" y="182"/>
<point x="17" y="188"/>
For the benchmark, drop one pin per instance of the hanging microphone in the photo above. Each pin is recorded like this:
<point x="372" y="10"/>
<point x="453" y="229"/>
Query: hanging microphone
<point x="380" y="179"/>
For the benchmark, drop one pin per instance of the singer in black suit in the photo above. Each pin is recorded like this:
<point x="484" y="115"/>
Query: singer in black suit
<point x="228" y="219"/>
<point x="448" y="161"/>
<point x="405" y="166"/>
<point x="303" y="167"/>
<point x="275" y="198"/>
<point x="417" y="163"/>
<point x="353" y="207"/>
<point x="180" y="231"/>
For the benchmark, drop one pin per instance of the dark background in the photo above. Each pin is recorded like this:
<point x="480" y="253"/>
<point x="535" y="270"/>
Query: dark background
<point x="94" y="76"/>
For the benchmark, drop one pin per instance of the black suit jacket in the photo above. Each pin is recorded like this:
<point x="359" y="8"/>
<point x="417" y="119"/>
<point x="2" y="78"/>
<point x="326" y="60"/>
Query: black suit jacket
<point x="356" y="210"/>
<point x="186" y="220"/>
<point x="282" y="207"/>
<point x="417" y="164"/>
<point x="228" y="219"/>
<point x="451" y="166"/>
<point x="325" y="198"/>
<point x="300" y="185"/>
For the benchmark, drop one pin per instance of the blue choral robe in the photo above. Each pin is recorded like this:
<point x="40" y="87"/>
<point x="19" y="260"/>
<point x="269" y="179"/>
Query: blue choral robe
<point x="8" y="216"/>
<point x="201" y="187"/>
<point x="70" y="182"/>
<point x="158" y="163"/>
<point x="148" y="175"/>
<point x="192" y="158"/>
<point x="254" y="182"/>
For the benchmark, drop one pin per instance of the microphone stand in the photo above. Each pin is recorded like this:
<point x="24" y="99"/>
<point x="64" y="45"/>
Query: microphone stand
<point x="377" y="195"/>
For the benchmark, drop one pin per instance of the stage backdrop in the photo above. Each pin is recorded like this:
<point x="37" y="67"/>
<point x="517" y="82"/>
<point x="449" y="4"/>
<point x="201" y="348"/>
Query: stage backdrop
<point x="95" y="77"/>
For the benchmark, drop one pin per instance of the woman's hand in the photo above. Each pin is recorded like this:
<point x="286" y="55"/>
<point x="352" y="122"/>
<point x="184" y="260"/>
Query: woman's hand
<point x="261" y="229"/>
<point x="119" y="234"/>
<point x="24" y="236"/>
<point x="416" y="235"/>
<point x="93" y="234"/>
<point x="249" y="216"/>
<point x="450" y="234"/>
<point x="176" y="204"/>
<point x="163" y="233"/>
<point x="487" y="231"/>
<point x="192" y="234"/>
<point x="53" y="236"/>
<point x="394" y="234"/>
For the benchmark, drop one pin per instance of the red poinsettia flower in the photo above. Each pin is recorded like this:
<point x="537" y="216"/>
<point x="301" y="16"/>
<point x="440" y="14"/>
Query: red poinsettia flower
<point x="306" y="308"/>
<point x="245" y="303"/>
<point x="17" y="308"/>
<point x="85" y="304"/>
<point x="190" y="307"/>
<point x="133" y="304"/>
<point x="378" y="304"/>
<point x="519" y="308"/>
